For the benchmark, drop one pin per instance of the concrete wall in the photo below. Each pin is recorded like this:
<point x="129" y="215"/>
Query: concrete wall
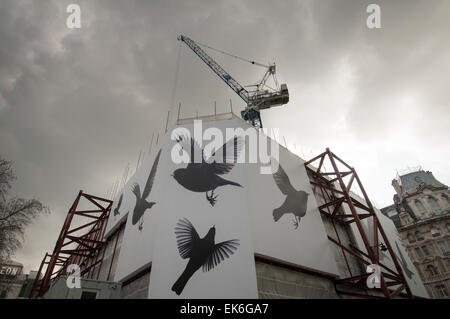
<point x="137" y="289"/>
<point x="276" y="282"/>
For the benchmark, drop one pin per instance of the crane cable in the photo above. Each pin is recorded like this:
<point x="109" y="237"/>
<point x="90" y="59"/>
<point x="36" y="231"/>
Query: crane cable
<point x="232" y="55"/>
<point x="175" y="84"/>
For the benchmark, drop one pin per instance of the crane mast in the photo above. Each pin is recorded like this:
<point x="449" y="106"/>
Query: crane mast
<point x="255" y="100"/>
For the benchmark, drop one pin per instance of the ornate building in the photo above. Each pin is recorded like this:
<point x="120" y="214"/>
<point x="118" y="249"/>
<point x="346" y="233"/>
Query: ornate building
<point x="421" y="213"/>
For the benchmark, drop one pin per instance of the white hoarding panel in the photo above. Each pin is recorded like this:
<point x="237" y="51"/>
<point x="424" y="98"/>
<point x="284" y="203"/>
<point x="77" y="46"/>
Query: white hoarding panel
<point x="203" y="246"/>
<point x="209" y="220"/>
<point x="144" y="196"/>
<point x="286" y="222"/>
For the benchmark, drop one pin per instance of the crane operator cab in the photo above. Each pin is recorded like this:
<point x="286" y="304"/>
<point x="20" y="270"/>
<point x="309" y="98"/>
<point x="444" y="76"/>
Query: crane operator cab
<point x="266" y="99"/>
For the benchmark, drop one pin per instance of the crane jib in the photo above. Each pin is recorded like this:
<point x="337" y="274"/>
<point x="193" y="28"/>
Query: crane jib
<point x="227" y="78"/>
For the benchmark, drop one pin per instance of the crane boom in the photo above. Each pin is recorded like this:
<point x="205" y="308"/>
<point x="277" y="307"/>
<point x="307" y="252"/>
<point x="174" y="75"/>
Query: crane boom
<point x="227" y="78"/>
<point x="255" y="100"/>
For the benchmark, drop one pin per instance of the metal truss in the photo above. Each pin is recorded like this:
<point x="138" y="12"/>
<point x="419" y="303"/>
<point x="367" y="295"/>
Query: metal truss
<point x="335" y="187"/>
<point x="80" y="242"/>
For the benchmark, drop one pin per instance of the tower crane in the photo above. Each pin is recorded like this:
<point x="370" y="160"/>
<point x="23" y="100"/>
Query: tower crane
<point x="262" y="97"/>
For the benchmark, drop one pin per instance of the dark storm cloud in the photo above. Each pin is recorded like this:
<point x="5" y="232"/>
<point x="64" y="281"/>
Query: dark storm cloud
<point x="77" y="105"/>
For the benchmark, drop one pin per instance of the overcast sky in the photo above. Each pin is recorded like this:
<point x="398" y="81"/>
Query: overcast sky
<point x="76" y="106"/>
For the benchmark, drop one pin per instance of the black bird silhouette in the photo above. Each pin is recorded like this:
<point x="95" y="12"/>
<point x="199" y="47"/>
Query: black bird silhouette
<point x="116" y="210"/>
<point x="202" y="252"/>
<point x="141" y="203"/>
<point x="204" y="176"/>
<point x="403" y="263"/>
<point x="296" y="202"/>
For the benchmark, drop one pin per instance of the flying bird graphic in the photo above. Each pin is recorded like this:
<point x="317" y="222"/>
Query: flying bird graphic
<point x="205" y="175"/>
<point x="403" y="263"/>
<point x="116" y="210"/>
<point x="141" y="200"/>
<point x="296" y="202"/>
<point x="201" y="252"/>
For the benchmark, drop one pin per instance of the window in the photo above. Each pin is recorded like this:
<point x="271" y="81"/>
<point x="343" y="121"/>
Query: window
<point x="445" y="199"/>
<point x="424" y="216"/>
<point x="432" y="271"/>
<point x="441" y="291"/>
<point x="448" y="227"/>
<point x="438" y="211"/>
<point x="88" y="295"/>
<point x="392" y="212"/>
<point x="411" y="238"/>
<point x="419" y="205"/>
<point x="419" y="252"/>
<point x="405" y="220"/>
<point x="443" y="247"/>
<point x="419" y="236"/>
<point x="425" y="251"/>
<point x="435" y="232"/>
<point x="432" y="201"/>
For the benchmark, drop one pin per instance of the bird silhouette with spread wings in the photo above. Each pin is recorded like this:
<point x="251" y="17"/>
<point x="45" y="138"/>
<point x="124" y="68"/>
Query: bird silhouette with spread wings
<point x="141" y="200"/>
<point x="201" y="252"/>
<point x="116" y="210"/>
<point x="296" y="202"/>
<point x="205" y="176"/>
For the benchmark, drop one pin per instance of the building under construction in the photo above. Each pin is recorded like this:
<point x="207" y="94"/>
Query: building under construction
<point x="324" y="249"/>
<point x="235" y="222"/>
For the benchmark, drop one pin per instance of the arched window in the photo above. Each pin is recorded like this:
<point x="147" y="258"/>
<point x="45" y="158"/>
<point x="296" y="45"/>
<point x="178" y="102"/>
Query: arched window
<point x="411" y="238"/>
<point x="432" y="270"/>
<point x="419" y="235"/>
<point x="432" y="201"/>
<point x="435" y="232"/>
<point x="419" y="205"/>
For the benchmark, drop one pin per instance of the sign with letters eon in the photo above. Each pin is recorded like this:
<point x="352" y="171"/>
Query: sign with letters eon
<point x="10" y="271"/>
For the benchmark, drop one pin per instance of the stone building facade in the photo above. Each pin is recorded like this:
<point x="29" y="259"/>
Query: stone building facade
<point x="421" y="214"/>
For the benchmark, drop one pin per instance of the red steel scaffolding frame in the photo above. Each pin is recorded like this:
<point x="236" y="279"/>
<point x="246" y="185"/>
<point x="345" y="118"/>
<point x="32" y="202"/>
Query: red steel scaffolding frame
<point x="88" y="246"/>
<point x="337" y="193"/>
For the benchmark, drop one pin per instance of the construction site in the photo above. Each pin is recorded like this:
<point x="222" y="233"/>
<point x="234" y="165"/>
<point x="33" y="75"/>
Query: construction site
<point x="306" y="230"/>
